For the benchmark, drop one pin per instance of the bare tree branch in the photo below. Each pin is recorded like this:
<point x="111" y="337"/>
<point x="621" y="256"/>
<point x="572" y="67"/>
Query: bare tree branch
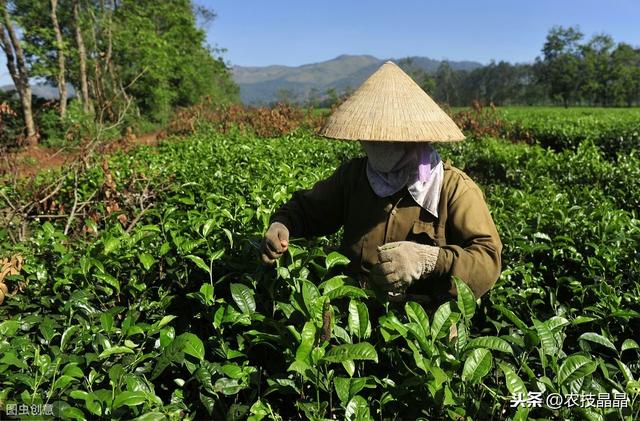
<point x="75" y="204"/>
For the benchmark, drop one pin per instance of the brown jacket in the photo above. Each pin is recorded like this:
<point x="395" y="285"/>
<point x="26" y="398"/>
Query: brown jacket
<point x="464" y="230"/>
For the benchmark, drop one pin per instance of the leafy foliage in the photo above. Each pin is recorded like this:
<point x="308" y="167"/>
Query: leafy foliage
<point x="613" y="131"/>
<point x="279" y="120"/>
<point x="164" y="56"/>
<point x="175" y="317"/>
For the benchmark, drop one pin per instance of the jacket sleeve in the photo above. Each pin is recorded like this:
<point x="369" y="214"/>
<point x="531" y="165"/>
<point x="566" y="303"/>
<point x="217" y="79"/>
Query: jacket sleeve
<point x="317" y="211"/>
<point x="474" y="247"/>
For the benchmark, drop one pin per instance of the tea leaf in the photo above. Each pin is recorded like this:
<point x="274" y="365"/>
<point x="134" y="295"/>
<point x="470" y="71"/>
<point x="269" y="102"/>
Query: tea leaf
<point x="359" y="351"/>
<point x="442" y="320"/>
<point x="345" y="291"/>
<point x="115" y="350"/>
<point x="515" y="385"/>
<point x="549" y="345"/>
<point x="416" y="313"/>
<point x="335" y="259"/>
<point x="357" y="409"/>
<point x="490" y="342"/>
<point x="359" y="319"/>
<point x="129" y="399"/>
<point x="147" y="260"/>
<point x="243" y="297"/>
<point x="629" y="344"/>
<point x="191" y="345"/>
<point x="574" y="368"/>
<point x="307" y="343"/>
<point x="199" y="262"/>
<point x="477" y="365"/>
<point x="598" y="339"/>
<point x="466" y="299"/>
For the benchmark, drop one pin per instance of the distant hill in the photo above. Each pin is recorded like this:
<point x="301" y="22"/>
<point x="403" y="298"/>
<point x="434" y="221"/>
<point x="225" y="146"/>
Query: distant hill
<point x="260" y="85"/>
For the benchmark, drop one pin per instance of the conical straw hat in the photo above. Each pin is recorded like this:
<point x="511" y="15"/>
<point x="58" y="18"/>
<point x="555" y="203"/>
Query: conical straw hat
<point x="390" y="106"/>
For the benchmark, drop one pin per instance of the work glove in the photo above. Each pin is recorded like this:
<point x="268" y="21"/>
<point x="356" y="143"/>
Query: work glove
<point x="401" y="263"/>
<point x="275" y="243"/>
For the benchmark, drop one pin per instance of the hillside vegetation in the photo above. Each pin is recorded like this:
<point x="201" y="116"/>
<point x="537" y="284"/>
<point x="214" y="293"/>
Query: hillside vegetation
<point x="153" y="303"/>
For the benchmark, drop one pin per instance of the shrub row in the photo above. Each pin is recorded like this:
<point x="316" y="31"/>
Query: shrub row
<point x="175" y="317"/>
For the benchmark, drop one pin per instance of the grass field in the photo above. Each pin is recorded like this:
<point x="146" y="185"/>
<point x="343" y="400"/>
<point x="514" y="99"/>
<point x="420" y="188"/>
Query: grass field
<point x="152" y="303"/>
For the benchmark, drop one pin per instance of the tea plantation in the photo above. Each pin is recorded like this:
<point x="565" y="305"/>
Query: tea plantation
<point x="155" y="305"/>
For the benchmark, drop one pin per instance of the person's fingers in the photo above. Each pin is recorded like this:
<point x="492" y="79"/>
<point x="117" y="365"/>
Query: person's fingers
<point x="383" y="257"/>
<point x="269" y="252"/>
<point x="391" y="278"/>
<point x="386" y="268"/>
<point x="383" y="280"/>
<point x="271" y="255"/>
<point x="267" y="260"/>
<point x="386" y="255"/>
<point x="274" y="245"/>
<point x="389" y="246"/>
<point x="283" y="235"/>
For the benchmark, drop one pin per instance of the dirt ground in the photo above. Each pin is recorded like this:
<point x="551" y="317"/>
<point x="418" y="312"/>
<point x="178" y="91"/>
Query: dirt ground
<point x="27" y="162"/>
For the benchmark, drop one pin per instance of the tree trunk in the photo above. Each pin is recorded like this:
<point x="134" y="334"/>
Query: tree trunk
<point x="97" y="80"/>
<point x="18" y="71"/>
<point x="62" y="83"/>
<point x="82" y="53"/>
<point x="110" y="68"/>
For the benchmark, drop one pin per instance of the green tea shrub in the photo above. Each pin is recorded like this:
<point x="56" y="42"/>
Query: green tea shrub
<point x="174" y="317"/>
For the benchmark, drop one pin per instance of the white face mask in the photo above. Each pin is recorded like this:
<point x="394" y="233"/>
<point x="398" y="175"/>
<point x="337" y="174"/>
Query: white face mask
<point x="384" y="156"/>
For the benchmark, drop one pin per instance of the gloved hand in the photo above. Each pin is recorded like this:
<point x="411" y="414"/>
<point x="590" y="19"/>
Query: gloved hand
<point x="401" y="263"/>
<point x="275" y="243"/>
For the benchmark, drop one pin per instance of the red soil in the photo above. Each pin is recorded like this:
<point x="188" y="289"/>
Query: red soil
<point x="29" y="161"/>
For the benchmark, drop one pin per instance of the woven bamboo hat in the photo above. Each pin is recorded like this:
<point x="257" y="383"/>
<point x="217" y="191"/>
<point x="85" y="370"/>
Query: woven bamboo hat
<point x="391" y="107"/>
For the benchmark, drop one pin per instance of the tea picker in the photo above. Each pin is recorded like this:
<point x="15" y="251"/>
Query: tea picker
<point x="411" y="221"/>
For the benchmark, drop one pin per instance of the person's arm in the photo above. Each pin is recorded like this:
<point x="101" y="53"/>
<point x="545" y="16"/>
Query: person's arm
<point x="474" y="251"/>
<point x="317" y="211"/>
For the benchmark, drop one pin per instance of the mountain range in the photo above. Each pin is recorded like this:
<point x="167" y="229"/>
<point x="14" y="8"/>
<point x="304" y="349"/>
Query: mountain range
<point x="263" y="85"/>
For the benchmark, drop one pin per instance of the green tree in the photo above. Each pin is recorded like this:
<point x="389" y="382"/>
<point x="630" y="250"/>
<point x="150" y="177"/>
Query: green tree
<point x="445" y="79"/>
<point x="533" y="92"/>
<point x="597" y="69"/>
<point x="17" y="64"/>
<point x="331" y="98"/>
<point x="499" y="83"/>
<point x="625" y="69"/>
<point x="125" y="57"/>
<point x="561" y="63"/>
<point x="164" y="58"/>
<point x="46" y="40"/>
<point x="313" y="98"/>
<point x="419" y="75"/>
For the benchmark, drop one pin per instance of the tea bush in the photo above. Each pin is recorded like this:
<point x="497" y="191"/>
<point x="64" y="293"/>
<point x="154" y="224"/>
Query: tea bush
<point x="612" y="130"/>
<point x="278" y="120"/>
<point x="174" y="317"/>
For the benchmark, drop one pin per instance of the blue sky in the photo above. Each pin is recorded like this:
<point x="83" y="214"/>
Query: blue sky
<point x="258" y="32"/>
